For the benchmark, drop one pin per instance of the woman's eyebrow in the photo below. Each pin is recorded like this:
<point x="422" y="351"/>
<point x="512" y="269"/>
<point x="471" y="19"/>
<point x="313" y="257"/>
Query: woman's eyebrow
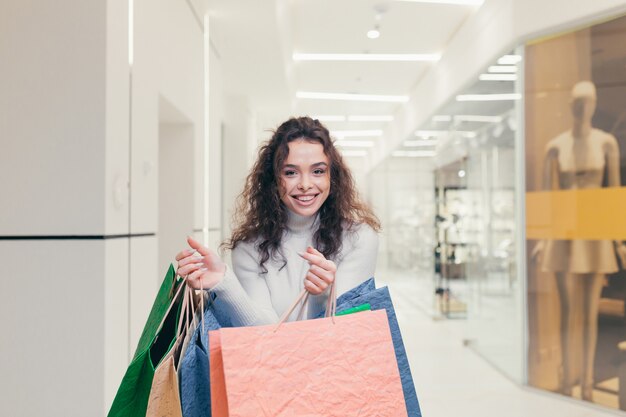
<point x="320" y="164"/>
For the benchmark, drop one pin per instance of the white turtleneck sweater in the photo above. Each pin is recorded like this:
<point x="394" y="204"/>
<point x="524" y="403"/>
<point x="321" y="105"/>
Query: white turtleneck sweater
<point x="251" y="297"/>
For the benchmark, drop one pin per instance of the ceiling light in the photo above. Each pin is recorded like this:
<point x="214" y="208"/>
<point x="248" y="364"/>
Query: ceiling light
<point x="502" y="69"/>
<point x="488" y="97"/>
<point x="461" y="173"/>
<point x="356" y="133"/>
<point x="352" y="97"/>
<point x="477" y="118"/>
<point x="442" y="118"/>
<point x="329" y="118"/>
<point x="509" y="59"/>
<point x="436" y="133"/>
<point x="355" y="143"/>
<point x="431" y="133"/>
<point x="367" y="57"/>
<point x="370" y="118"/>
<point x="373" y="34"/>
<point x="419" y="143"/>
<point x="353" y="152"/>
<point x="497" y="77"/>
<point x="413" y="154"/>
<point x="454" y="2"/>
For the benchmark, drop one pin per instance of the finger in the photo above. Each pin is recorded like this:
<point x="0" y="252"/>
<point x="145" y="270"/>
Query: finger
<point x="312" y="259"/>
<point x="203" y="250"/>
<point x="312" y="288"/>
<point x="188" y="269"/>
<point x="190" y="260"/>
<point x="196" y="275"/>
<point x="183" y="254"/>
<point x="317" y="281"/>
<point x="327" y="276"/>
<point x="314" y="251"/>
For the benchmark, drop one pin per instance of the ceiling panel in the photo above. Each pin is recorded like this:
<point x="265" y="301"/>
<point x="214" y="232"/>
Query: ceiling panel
<point x="359" y="77"/>
<point x="340" y="26"/>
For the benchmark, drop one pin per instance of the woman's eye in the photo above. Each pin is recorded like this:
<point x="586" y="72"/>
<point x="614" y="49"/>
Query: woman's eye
<point x="319" y="171"/>
<point x="290" y="173"/>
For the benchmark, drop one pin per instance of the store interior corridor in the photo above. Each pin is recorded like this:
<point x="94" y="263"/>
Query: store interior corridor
<point x="484" y="137"/>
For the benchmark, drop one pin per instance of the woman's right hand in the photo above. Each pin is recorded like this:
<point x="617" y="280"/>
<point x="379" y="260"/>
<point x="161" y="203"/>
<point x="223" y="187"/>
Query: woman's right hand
<point x="200" y="266"/>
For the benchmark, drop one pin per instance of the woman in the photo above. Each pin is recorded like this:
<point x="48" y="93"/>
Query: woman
<point x="299" y="224"/>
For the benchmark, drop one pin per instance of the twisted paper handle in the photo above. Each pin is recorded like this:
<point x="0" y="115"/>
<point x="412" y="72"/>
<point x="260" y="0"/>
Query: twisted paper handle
<point x="331" y="306"/>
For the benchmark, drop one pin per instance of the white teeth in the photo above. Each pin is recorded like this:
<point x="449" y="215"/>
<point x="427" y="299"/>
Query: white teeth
<point x="305" y="197"/>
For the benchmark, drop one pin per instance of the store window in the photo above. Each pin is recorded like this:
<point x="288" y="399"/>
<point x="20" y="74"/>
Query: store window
<point x="464" y="160"/>
<point x="575" y="127"/>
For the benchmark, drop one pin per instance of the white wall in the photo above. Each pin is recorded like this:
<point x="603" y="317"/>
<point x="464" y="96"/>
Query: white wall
<point x="79" y="133"/>
<point x="240" y="138"/>
<point x="215" y="148"/>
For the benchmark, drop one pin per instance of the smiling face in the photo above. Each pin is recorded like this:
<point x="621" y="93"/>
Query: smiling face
<point x="305" y="177"/>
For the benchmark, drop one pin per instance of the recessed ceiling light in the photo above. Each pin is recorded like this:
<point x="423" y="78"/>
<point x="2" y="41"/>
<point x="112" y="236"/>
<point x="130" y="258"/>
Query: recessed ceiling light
<point x="497" y="77"/>
<point x="502" y="69"/>
<point x="454" y="2"/>
<point x="437" y="133"/>
<point x="413" y="154"/>
<point x="477" y="118"/>
<point x="431" y="133"/>
<point x="509" y="59"/>
<point x="329" y="118"/>
<point x="461" y="173"/>
<point x="352" y="97"/>
<point x="442" y="118"/>
<point x="351" y="152"/>
<point x="370" y="118"/>
<point x="355" y="143"/>
<point x="356" y="133"/>
<point x="373" y="34"/>
<point x="488" y="97"/>
<point x="419" y="143"/>
<point x="367" y="57"/>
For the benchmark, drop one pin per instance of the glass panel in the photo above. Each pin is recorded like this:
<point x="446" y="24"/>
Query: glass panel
<point x="575" y="144"/>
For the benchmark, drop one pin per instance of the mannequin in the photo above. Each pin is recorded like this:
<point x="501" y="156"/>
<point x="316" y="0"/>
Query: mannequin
<point x="578" y="159"/>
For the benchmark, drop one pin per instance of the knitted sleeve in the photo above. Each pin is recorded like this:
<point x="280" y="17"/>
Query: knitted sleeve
<point x="243" y="293"/>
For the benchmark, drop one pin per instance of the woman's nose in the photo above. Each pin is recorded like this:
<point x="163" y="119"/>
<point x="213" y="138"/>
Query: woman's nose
<point x="305" y="184"/>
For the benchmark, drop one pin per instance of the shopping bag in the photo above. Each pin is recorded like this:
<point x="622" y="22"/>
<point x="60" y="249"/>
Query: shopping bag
<point x="193" y="372"/>
<point x="380" y="299"/>
<point x="164" y="398"/>
<point x="337" y="366"/>
<point x="156" y="340"/>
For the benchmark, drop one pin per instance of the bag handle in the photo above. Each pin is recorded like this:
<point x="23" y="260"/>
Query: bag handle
<point x="174" y="299"/>
<point x="303" y="298"/>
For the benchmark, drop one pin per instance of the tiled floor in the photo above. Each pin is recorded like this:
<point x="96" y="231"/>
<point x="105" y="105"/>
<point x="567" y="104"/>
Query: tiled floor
<point x="453" y="381"/>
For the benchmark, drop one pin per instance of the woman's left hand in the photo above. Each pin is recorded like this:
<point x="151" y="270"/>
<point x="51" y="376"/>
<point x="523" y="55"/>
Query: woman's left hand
<point x="321" y="273"/>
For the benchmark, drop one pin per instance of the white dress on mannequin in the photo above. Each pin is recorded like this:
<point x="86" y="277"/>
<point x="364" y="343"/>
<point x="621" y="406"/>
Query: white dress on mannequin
<point x="582" y="168"/>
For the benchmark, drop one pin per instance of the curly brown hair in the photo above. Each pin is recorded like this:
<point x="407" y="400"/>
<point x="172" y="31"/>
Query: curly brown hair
<point x="260" y="213"/>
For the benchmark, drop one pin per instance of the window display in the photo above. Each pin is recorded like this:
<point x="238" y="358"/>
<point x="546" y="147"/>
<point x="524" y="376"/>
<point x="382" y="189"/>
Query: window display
<point x="575" y="136"/>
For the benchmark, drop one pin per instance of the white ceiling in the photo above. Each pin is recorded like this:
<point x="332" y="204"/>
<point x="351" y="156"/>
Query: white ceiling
<point x="256" y="39"/>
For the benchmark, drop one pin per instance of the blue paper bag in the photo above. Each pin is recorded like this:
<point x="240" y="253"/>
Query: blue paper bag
<point x="193" y="371"/>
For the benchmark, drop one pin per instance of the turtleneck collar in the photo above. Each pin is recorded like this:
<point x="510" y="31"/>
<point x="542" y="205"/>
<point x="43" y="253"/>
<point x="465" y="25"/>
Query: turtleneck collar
<point x="298" y="224"/>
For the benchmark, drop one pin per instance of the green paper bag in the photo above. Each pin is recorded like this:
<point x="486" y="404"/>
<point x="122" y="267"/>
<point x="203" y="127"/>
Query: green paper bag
<point x="132" y="395"/>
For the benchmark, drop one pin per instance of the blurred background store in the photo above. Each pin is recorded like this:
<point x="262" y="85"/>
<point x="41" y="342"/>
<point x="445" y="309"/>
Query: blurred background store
<point x="126" y="125"/>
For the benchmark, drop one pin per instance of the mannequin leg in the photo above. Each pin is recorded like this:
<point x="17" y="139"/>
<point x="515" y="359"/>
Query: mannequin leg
<point x="591" y="301"/>
<point x="567" y="286"/>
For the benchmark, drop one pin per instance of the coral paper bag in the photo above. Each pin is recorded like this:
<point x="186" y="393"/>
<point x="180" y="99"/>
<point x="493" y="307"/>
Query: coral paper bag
<point x="334" y="367"/>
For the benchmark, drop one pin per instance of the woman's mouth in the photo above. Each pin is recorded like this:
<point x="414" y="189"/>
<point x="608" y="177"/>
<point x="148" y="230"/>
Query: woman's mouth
<point x="304" y="199"/>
